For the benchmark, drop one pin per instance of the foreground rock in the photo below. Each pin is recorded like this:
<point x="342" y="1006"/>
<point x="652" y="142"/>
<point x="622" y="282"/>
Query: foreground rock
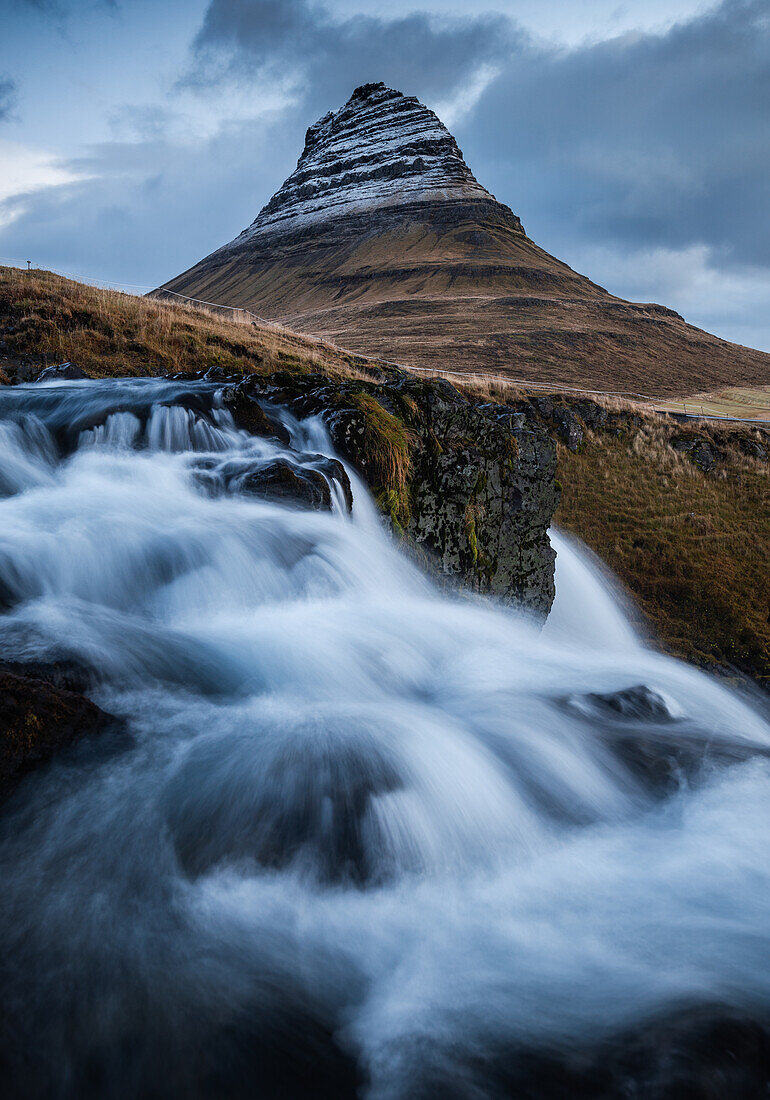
<point x="469" y="485"/>
<point x="38" y="719"/>
<point x="284" y="483"/>
<point x="63" y="372"/>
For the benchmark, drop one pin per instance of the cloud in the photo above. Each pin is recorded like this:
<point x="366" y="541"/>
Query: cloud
<point x="731" y="301"/>
<point x="7" y="97"/>
<point x="27" y="171"/>
<point x="140" y="211"/>
<point x="58" y="8"/>
<point x="325" y="56"/>
<point x="651" y="140"/>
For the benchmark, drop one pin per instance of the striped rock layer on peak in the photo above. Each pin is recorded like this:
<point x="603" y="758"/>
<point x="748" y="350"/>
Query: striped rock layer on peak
<point x="381" y="149"/>
<point x="383" y="241"/>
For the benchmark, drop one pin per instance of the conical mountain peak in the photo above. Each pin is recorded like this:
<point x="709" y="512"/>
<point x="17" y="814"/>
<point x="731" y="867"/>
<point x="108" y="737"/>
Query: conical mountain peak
<point x="382" y="241"/>
<point x="381" y="149"/>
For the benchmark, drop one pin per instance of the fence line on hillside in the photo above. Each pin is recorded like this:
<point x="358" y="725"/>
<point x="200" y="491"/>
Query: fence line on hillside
<point x="104" y="284"/>
<point x="159" y="293"/>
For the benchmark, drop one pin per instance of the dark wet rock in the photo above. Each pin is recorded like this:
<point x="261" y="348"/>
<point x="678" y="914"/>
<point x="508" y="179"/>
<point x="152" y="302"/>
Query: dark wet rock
<point x="285" y="483"/>
<point x="638" y="703"/>
<point x="593" y="416"/>
<point x="279" y="1041"/>
<point x="184" y="376"/>
<point x="568" y="428"/>
<point x="37" y="720"/>
<point x="657" y="744"/>
<point x="304" y="802"/>
<point x="288" y="1045"/>
<point x="663" y="764"/>
<point x="61" y="372"/>
<point x="752" y="447"/>
<point x="700" y="451"/>
<point x="544" y="406"/>
<point x="216" y="374"/>
<point x="483" y="492"/>
<point x="250" y="416"/>
<point x="708" y="1052"/>
<point x="64" y="674"/>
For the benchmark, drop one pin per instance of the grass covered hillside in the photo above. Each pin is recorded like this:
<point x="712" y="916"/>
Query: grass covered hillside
<point x="46" y="319"/>
<point x="691" y="545"/>
<point x="681" y="514"/>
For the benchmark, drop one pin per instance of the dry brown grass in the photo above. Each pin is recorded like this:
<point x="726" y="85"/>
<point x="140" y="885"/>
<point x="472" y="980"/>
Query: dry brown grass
<point x="48" y="319"/>
<point x="457" y="285"/>
<point x="490" y="388"/>
<point x="692" y="548"/>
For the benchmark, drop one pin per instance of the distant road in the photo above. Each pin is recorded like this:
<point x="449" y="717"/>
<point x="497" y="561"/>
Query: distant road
<point x="712" y="416"/>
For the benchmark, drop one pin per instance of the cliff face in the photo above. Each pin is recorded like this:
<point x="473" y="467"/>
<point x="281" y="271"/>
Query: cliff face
<point x="469" y="486"/>
<point x="383" y="242"/>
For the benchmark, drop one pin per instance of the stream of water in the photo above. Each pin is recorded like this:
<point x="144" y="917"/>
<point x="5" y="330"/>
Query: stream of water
<point x="355" y="835"/>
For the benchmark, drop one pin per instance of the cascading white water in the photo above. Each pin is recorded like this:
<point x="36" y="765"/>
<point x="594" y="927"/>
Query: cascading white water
<point x="359" y="833"/>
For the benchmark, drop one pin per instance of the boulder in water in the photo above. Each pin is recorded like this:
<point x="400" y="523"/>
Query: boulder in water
<point x="283" y="482"/>
<point x="249" y="415"/>
<point x="62" y="372"/>
<point x="653" y="739"/>
<point x="638" y="703"/>
<point x="36" y="720"/>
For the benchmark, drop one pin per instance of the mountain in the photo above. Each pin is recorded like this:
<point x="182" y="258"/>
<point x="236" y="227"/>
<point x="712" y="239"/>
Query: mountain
<point x="383" y="241"/>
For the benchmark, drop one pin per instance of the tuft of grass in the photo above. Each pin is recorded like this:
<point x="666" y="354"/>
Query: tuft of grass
<point x="386" y="454"/>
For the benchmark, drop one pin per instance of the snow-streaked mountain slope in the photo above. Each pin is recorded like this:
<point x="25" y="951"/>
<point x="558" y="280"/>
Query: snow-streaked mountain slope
<point x="381" y="149"/>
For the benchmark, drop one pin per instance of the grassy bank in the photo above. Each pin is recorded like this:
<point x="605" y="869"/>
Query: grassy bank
<point x="46" y="319"/>
<point x="692" y="548"/>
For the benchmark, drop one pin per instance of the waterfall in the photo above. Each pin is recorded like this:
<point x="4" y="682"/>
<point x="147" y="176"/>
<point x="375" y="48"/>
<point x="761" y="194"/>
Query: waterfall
<point x="355" y="835"/>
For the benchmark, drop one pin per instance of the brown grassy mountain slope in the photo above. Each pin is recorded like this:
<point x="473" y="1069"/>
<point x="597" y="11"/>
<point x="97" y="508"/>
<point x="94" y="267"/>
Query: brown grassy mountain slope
<point x="383" y="242"/>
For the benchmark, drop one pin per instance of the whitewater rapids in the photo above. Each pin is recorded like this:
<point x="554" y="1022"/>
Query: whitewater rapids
<point x="354" y="834"/>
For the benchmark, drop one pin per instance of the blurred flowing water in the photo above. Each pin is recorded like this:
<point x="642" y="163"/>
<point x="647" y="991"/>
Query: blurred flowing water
<point x="357" y="835"/>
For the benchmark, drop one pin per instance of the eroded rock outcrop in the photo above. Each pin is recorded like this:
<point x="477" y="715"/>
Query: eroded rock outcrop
<point x="470" y="486"/>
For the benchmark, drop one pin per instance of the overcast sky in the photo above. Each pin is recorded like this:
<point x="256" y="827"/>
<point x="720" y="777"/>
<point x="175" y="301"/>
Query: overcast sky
<point x="633" y="139"/>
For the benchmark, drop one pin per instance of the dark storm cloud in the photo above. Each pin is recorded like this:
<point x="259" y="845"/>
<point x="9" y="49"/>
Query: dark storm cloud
<point x="7" y="97"/>
<point x="653" y="140"/>
<point x="283" y="38"/>
<point x="60" y="7"/>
